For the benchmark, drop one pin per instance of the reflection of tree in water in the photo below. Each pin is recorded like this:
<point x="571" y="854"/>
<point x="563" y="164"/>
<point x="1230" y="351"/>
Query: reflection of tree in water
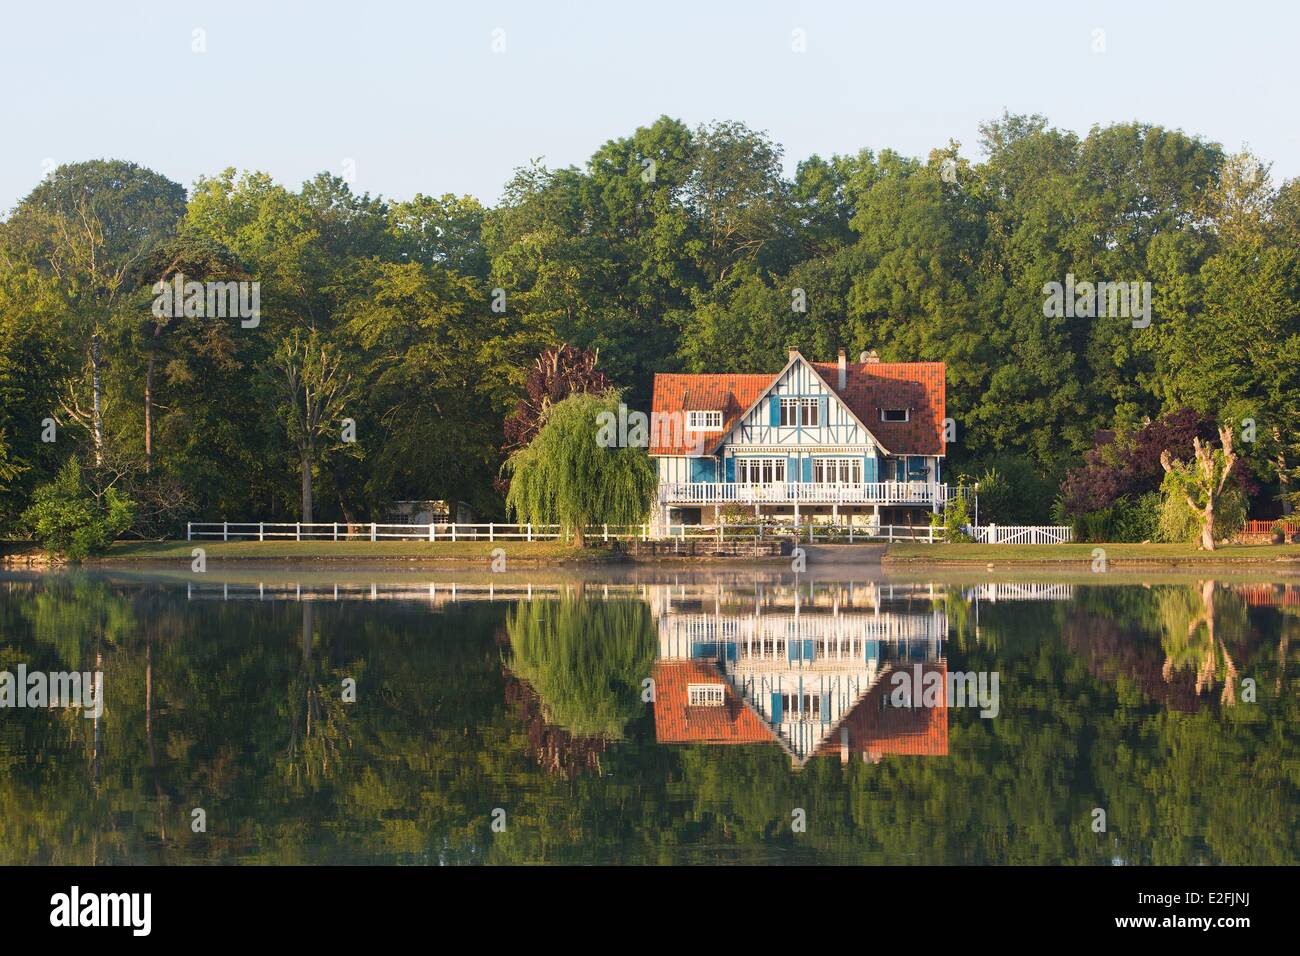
<point x="554" y="749"/>
<point x="319" y="728"/>
<point x="1194" y="636"/>
<point x="1112" y="649"/>
<point x="585" y="660"/>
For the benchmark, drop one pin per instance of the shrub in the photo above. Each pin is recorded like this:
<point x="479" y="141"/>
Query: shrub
<point x="1179" y="522"/>
<point x="1012" y="491"/>
<point x="955" y="518"/>
<point x="1127" y="519"/>
<point x="71" y="520"/>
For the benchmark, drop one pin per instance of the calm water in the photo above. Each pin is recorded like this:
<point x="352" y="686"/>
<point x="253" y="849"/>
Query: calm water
<point x="792" y="719"/>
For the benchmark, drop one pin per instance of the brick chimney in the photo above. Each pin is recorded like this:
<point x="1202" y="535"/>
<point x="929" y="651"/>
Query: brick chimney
<point x="844" y="370"/>
<point x="794" y="353"/>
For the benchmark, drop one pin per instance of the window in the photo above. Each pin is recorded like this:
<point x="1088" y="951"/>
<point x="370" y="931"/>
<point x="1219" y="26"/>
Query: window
<point x="703" y="421"/>
<point x="760" y="471"/>
<point x="805" y="709"/>
<point x="894" y="414"/>
<point x="801" y="411"/>
<point x="842" y="471"/>
<point x="705" y="695"/>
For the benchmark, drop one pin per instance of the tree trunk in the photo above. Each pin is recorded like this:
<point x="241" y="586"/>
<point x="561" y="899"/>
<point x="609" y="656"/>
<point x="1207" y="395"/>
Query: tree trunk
<point x="306" y="488"/>
<point x="1283" y="479"/>
<point x="578" y="540"/>
<point x="97" y="423"/>
<point x="148" y="415"/>
<point x="1207" y="528"/>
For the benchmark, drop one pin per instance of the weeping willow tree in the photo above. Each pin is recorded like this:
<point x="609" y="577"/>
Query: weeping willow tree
<point x="585" y="659"/>
<point x="566" y="476"/>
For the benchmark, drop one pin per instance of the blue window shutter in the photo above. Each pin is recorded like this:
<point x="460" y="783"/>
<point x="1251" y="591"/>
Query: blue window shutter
<point x="702" y="469"/>
<point x="872" y="650"/>
<point x="807" y="469"/>
<point x="731" y="469"/>
<point x="792" y="469"/>
<point x="808" y="653"/>
<point x="869" y="473"/>
<point x="776" y="708"/>
<point x="823" y="404"/>
<point x="774" y="411"/>
<point x="900" y="469"/>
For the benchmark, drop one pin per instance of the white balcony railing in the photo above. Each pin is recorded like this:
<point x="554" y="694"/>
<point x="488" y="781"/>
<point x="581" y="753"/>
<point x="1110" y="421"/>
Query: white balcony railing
<point x="785" y="493"/>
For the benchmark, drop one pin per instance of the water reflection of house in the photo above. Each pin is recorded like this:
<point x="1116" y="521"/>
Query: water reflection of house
<point x="809" y="677"/>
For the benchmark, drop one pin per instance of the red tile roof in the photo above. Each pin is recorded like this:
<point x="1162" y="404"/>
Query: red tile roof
<point x="676" y="722"/>
<point x="877" y="730"/>
<point x="676" y="394"/>
<point x="918" y="386"/>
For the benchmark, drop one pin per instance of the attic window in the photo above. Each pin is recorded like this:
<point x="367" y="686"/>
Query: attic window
<point x="703" y="421"/>
<point x="894" y="414"/>
<point x="705" y="695"/>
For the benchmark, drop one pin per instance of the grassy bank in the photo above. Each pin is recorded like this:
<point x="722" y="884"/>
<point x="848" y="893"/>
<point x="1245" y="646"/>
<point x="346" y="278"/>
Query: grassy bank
<point x="1122" y="554"/>
<point x="463" y="552"/>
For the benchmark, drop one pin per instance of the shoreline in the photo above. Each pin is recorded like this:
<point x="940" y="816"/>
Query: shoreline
<point x="475" y="555"/>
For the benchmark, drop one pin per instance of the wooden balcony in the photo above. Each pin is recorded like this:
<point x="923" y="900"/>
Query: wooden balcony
<point x="788" y="493"/>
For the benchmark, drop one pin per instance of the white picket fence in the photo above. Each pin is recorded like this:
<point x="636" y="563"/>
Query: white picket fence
<point x="1021" y="534"/>
<point x="810" y="532"/>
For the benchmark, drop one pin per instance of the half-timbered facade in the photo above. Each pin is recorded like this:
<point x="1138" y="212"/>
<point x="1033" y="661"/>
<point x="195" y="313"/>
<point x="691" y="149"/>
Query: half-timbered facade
<point x="851" y="443"/>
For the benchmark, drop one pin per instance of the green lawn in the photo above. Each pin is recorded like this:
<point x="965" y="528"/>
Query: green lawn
<point x="549" y="551"/>
<point x="1057" y="553"/>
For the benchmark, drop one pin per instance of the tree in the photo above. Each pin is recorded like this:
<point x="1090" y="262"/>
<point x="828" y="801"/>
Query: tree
<point x="315" y="391"/>
<point x="553" y="376"/>
<point x="92" y="225"/>
<point x="1201" y="482"/>
<point x="564" y="476"/>
<point x="72" y="519"/>
<point x="1128" y="464"/>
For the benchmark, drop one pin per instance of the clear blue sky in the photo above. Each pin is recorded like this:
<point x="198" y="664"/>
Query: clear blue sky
<point x="415" y="96"/>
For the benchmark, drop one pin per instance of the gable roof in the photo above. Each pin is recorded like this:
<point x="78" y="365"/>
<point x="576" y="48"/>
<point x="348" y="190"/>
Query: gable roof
<point x="917" y="386"/>
<point x="869" y="387"/>
<point x="676" y="722"/>
<point x="733" y="395"/>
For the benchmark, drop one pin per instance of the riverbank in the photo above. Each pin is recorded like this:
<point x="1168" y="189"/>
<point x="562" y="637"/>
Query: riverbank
<point x="1083" y="555"/>
<point x="460" y="553"/>
<point x="531" y="554"/>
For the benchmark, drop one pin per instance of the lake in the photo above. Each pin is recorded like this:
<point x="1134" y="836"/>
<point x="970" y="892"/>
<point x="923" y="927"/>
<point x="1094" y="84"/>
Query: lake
<point x="649" y="716"/>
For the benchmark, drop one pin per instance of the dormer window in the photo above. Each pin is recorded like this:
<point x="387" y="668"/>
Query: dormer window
<point x="705" y="695"/>
<point x="894" y="414"/>
<point x="703" y="421"/>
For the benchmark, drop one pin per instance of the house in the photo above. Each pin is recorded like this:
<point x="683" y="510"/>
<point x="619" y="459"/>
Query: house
<point x="859" y="443"/>
<point x="430" y="512"/>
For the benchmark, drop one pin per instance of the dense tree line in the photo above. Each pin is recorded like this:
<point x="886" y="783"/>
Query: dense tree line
<point x="672" y="249"/>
